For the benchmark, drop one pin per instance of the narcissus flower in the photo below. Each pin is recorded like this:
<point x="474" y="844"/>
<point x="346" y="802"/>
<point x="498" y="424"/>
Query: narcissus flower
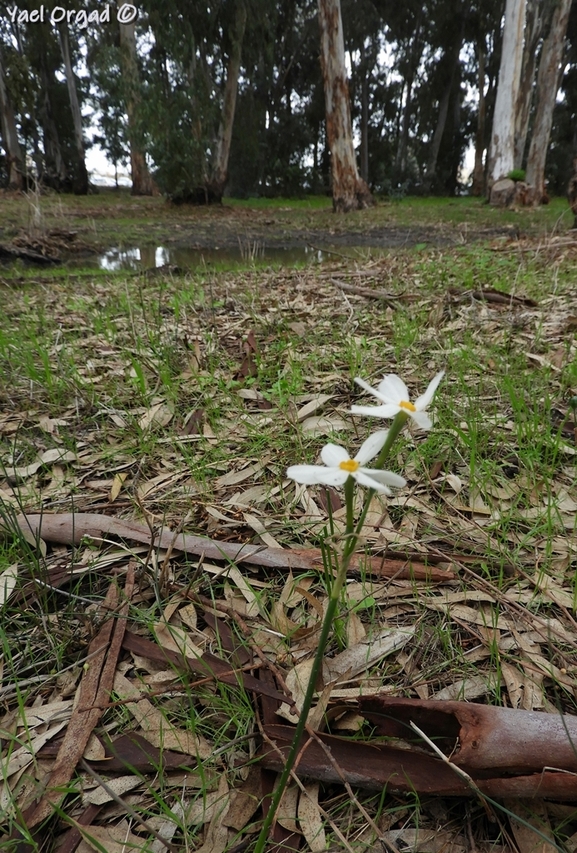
<point x="394" y="396"/>
<point x="338" y="467"/>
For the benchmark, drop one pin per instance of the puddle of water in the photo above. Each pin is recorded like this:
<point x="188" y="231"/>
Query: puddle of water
<point x="149" y="257"/>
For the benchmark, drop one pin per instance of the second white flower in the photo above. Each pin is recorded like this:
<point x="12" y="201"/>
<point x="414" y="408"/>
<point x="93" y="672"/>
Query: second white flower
<point x="338" y="466"/>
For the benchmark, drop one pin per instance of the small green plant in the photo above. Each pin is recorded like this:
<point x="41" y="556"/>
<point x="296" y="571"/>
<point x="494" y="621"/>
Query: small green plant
<point x="516" y="175"/>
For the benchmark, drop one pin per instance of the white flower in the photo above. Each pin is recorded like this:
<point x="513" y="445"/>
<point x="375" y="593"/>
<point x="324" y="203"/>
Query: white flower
<point x="394" y="395"/>
<point x="338" y="467"/>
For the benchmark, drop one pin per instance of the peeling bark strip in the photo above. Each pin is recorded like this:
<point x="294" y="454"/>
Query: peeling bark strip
<point x="70" y="529"/>
<point x="94" y="693"/>
<point x="507" y="753"/>
<point x="350" y="192"/>
<point x="490" y="740"/>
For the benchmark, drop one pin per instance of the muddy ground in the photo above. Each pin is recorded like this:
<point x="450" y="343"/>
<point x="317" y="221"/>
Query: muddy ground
<point x="58" y="225"/>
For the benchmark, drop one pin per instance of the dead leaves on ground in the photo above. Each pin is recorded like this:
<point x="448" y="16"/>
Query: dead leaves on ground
<point x="500" y="626"/>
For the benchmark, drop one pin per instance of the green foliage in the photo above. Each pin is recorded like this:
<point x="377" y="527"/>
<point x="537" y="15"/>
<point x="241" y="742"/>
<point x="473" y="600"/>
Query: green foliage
<point x="516" y="175"/>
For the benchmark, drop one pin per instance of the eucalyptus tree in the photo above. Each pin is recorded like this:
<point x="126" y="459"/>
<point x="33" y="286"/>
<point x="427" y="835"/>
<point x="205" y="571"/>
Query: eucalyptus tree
<point x="14" y="158"/>
<point x="548" y="80"/>
<point x="142" y="181"/>
<point x="80" y="184"/>
<point x="44" y="58"/>
<point x="502" y="149"/>
<point x="191" y="75"/>
<point x="349" y="190"/>
<point x="535" y="16"/>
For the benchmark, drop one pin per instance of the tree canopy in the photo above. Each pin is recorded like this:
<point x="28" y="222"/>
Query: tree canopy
<point x="204" y="99"/>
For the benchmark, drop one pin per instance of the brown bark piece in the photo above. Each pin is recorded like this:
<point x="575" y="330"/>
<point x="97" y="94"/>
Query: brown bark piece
<point x="73" y="837"/>
<point x="376" y="766"/>
<point x="95" y="690"/>
<point x="482" y="739"/>
<point x="488" y="294"/>
<point x="71" y="528"/>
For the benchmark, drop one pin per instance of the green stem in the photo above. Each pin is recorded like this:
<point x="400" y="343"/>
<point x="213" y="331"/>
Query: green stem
<point x="350" y="542"/>
<point x="332" y="605"/>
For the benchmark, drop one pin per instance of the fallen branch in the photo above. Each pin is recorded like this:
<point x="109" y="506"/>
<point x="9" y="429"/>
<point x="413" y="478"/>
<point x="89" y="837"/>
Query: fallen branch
<point x="369" y="293"/>
<point x="71" y="528"/>
<point x="501" y="751"/>
<point x="488" y="294"/>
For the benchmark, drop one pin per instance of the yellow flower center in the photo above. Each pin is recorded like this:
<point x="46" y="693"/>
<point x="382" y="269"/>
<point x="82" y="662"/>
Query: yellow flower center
<point x="404" y="404"/>
<point x="350" y="465"/>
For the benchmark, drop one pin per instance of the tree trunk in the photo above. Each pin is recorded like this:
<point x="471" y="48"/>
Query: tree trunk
<point x="415" y="53"/>
<point x="478" y="170"/>
<point x="572" y="192"/>
<point x="219" y="167"/>
<point x="350" y="192"/>
<point x="10" y="136"/>
<point x="364" y="115"/>
<point x="548" y="79"/>
<point x="54" y="172"/>
<point x="81" y="175"/>
<point x="502" y="150"/>
<point x="533" y="30"/>
<point x="142" y="182"/>
<point x="453" y="61"/>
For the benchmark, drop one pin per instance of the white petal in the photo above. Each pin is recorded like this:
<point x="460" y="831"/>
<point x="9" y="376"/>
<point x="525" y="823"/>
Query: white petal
<point x="389" y="410"/>
<point x="362" y="477"/>
<point x="332" y="455"/>
<point x="426" y="399"/>
<point x="307" y="474"/>
<point x="422" y="419"/>
<point x="332" y="476"/>
<point x="371" y="446"/>
<point x="387" y="477"/>
<point x="393" y="389"/>
<point x="370" y="389"/>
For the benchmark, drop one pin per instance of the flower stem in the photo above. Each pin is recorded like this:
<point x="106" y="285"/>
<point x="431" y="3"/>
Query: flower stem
<point x="316" y="668"/>
<point x="350" y="542"/>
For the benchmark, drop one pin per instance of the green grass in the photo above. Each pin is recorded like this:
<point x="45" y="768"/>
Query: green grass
<point x="83" y="359"/>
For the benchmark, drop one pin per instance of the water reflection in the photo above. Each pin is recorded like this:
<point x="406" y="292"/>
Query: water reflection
<point x="149" y="257"/>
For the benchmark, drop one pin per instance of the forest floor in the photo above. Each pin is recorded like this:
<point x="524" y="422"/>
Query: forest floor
<point x="154" y="405"/>
<point x="114" y="219"/>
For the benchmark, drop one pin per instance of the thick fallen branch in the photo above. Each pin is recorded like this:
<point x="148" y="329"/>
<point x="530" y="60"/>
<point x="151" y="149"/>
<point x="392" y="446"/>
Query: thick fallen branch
<point x="482" y="739"/>
<point x="71" y="528"/>
<point x="507" y="753"/>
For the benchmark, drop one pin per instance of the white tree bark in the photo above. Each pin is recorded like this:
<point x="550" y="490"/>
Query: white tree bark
<point x="502" y="148"/>
<point x="548" y="79"/>
<point x="10" y="136"/>
<point x="350" y="192"/>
